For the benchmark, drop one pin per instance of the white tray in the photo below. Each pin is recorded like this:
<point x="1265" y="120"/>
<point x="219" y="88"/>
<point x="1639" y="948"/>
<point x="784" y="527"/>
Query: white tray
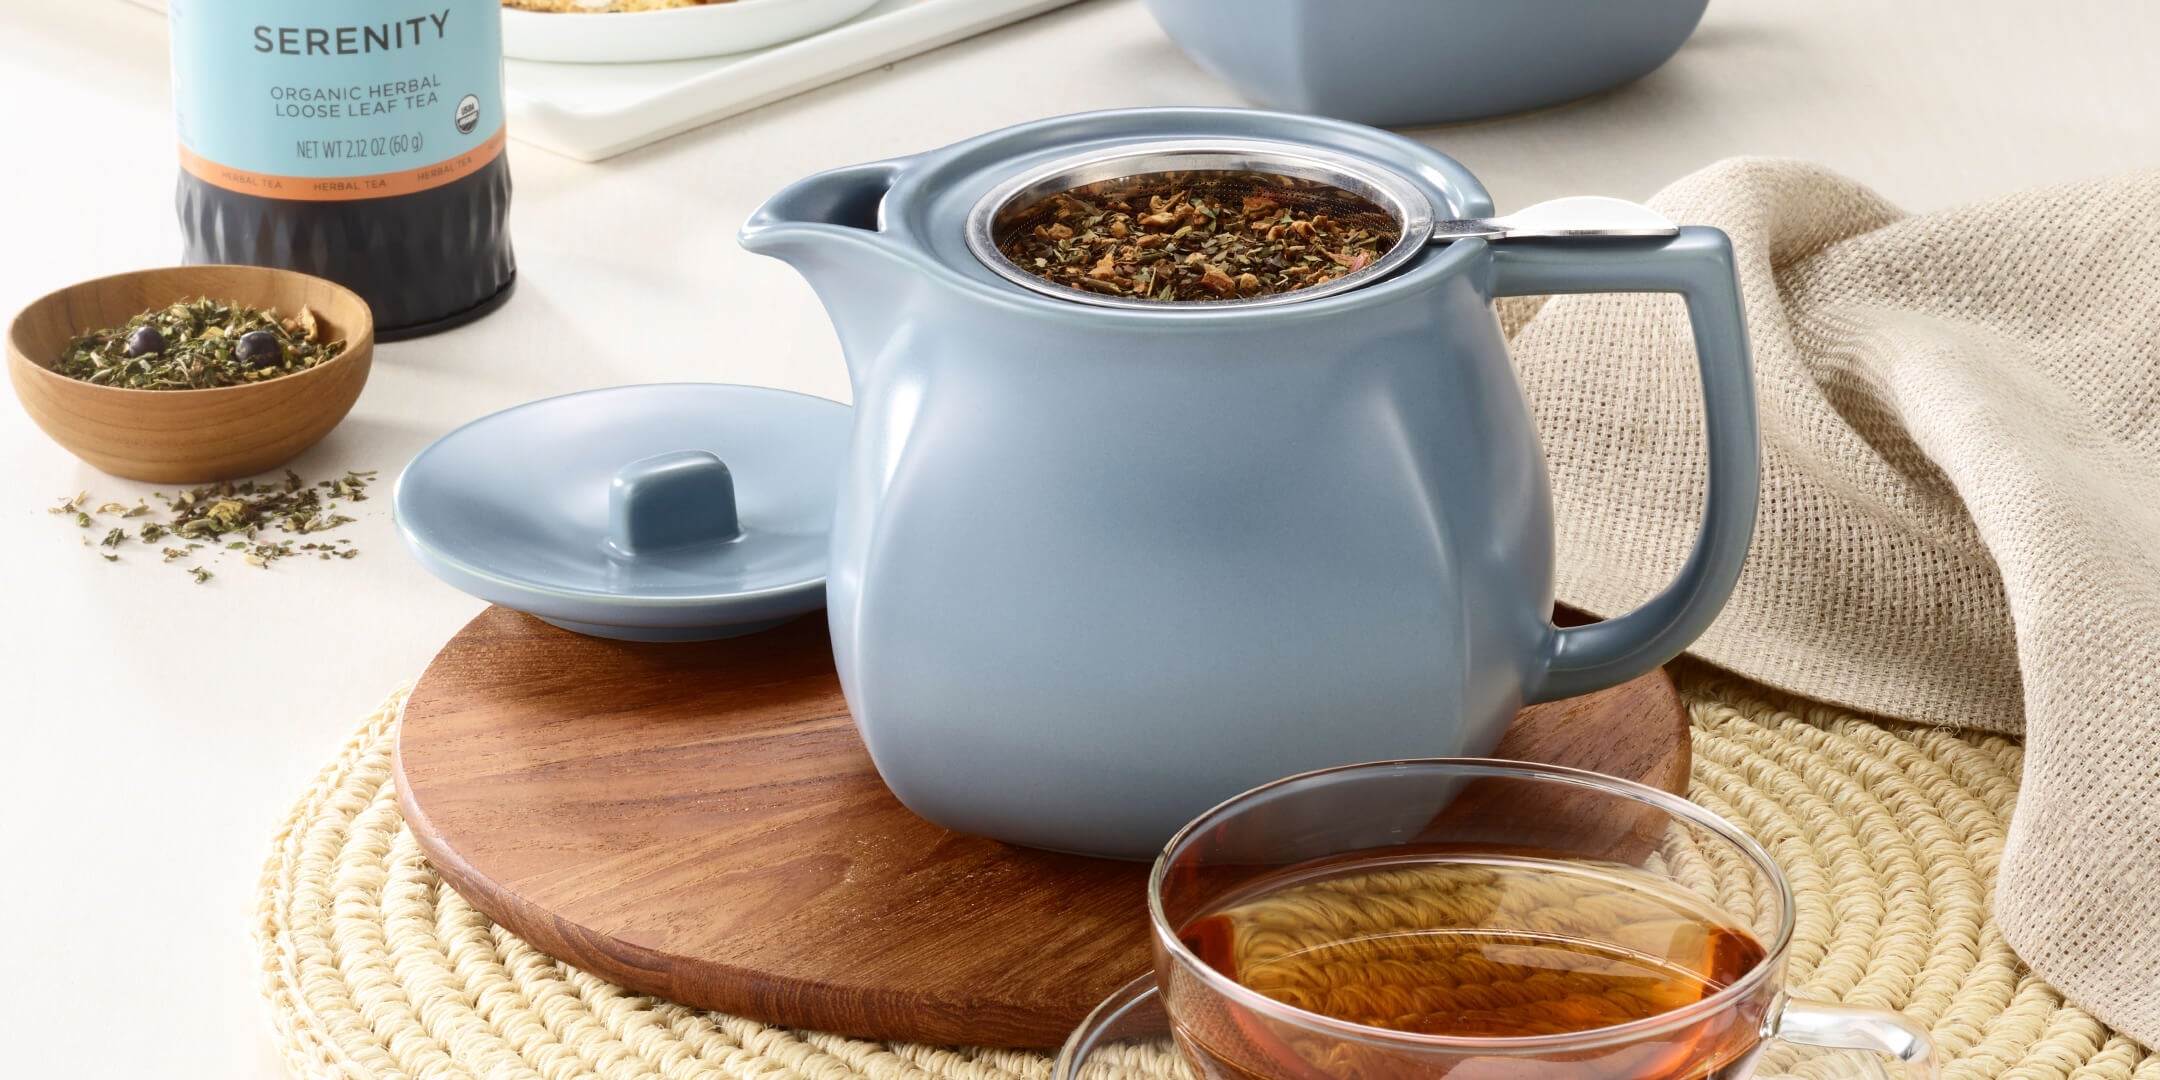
<point x="683" y="33"/>
<point x="595" y="111"/>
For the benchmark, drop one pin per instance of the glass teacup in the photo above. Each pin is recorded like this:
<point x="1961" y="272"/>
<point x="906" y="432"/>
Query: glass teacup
<point x="1472" y="919"/>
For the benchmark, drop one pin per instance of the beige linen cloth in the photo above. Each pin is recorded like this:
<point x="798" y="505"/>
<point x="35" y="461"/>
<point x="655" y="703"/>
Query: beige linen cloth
<point x="1960" y="515"/>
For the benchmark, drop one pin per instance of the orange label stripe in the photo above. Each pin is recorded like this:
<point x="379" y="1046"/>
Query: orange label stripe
<point x="338" y="188"/>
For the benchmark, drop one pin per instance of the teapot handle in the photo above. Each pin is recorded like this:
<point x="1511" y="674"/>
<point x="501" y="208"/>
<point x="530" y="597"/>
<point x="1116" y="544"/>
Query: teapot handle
<point x="1697" y="263"/>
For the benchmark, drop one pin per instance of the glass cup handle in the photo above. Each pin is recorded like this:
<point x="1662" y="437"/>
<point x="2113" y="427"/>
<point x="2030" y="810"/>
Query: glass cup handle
<point x="1842" y="1027"/>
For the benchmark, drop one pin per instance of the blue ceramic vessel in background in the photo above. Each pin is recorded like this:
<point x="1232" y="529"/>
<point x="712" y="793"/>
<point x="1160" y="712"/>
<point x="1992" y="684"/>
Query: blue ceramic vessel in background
<point x="1405" y="62"/>
<point x="1095" y="569"/>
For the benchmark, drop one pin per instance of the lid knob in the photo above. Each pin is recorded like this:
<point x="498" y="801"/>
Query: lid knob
<point x="673" y="500"/>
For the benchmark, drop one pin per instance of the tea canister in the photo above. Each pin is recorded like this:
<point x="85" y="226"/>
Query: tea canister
<point x="356" y="140"/>
<point x="1099" y="561"/>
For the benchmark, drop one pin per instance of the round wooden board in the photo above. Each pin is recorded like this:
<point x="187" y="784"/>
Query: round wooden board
<point x="699" y="822"/>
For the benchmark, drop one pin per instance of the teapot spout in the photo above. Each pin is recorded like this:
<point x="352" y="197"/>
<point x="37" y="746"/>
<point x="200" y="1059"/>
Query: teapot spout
<point x="830" y="228"/>
<point x="852" y="197"/>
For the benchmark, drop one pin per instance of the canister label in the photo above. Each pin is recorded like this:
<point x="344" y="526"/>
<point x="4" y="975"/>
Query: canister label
<point x="336" y="99"/>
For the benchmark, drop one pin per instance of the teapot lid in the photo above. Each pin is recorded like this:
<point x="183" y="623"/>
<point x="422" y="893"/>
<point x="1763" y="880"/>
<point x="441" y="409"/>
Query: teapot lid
<point x="664" y="512"/>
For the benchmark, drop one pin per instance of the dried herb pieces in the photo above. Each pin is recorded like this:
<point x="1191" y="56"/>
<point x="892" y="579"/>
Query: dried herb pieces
<point x="74" y="508"/>
<point x="235" y="516"/>
<point x="1198" y="236"/>
<point x="198" y="345"/>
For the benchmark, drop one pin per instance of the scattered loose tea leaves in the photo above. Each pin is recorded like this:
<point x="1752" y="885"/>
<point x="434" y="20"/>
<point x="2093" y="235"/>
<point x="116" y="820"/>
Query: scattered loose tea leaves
<point x="1198" y="236"/>
<point x="237" y="516"/>
<point x="74" y="506"/>
<point x="198" y="345"/>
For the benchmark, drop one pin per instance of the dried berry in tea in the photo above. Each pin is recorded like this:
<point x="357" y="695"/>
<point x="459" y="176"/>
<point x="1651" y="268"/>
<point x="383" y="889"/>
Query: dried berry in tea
<point x="1198" y="236"/>
<point x="198" y="345"/>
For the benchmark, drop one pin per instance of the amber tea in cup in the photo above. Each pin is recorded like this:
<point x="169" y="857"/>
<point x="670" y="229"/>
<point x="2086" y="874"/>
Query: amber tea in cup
<point x="1479" y="919"/>
<point x="1485" y="946"/>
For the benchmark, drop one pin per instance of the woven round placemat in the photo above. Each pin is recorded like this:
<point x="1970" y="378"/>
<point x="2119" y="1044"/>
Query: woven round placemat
<point x="1890" y="834"/>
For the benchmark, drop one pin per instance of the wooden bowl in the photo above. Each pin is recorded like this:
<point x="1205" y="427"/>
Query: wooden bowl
<point x="188" y="436"/>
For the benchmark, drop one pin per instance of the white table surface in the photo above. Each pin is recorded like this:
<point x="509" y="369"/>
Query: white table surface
<point x="156" y="731"/>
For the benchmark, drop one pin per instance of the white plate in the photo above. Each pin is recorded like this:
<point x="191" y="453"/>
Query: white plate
<point x="595" y="111"/>
<point x="671" y="34"/>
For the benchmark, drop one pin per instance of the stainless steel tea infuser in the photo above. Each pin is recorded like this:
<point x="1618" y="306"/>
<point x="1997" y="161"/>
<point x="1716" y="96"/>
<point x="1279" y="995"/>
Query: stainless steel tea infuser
<point x="1331" y="182"/>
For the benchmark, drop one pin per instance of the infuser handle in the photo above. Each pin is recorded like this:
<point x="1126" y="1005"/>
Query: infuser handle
<point x="1842" y="1027"/>
<point x="1697" y="263"/>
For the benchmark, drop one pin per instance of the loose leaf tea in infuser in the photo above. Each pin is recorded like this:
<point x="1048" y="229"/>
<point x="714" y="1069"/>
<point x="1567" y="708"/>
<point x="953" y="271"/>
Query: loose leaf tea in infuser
<point x="198" y="345"/>
<point x="1234" y="222"/>
<point x="1197" y="235"/>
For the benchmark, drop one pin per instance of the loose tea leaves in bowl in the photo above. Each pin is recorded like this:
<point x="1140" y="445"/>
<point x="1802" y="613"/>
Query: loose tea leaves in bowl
<point x="198" y="345"/>
<point x="1197" y="236"/>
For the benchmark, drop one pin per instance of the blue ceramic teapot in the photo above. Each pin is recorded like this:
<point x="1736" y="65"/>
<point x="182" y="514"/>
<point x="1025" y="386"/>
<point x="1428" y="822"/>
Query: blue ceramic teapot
<point x="1099" y="564"/>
